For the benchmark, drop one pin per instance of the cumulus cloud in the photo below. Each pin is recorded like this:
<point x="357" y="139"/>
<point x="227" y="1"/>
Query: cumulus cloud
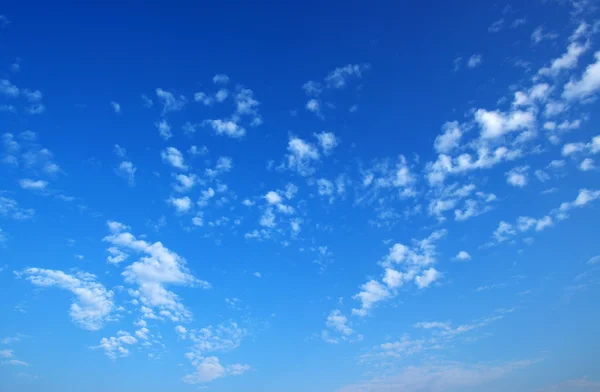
<point x="339" y="77"/>
<point x="226" y="127"/>
<point x="173" y="157"/>
<point x="158" y="268"/>
<point x="37" y="185"/>
<point x="164" y="129"/>
<point x="92" y="304"/>
<point x="171" y="102"/>
<point x="181" y="204"/>
<point x="116" y="107"/>
<point x="127" y="170"/>
<point x="517" y="176"/>
<point x="475" y="61"/>
<point x="302" y="156"/>
<point x="587" y="85"/>
<point x="328" y="141"/>
<point x="463" y="256"/>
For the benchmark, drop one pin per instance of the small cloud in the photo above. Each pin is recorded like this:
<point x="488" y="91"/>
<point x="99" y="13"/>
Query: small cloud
<point x="463" y="256"/>
<point x="475" y="61"/>
<point x="116" y="107"/>
<point x="38" y="185"/>
<point x="257" y="274"/>
<point x="496" y="26"/>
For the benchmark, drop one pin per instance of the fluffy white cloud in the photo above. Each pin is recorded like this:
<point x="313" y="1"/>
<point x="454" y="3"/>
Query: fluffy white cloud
<point x="463" y="256"/>
<point x="114" y="346"/>
<point x="173" y="157"/>
<point x="587" y="164"/>
<point x="223" y="165"/>
<point x="584" y="197"/>
<point x="222" y="95"/>
<point x="371" y="293"/>
<point x="313" y="105"/>
<point x="227" y="128"/>
<point x="449" y="139"/>
<point x="184" y="182"/>
<point x="517" y="176"/>
<point x="210" y="368"/>
<point x="496" y="26"/>
<point x="171" y="103"/>
<point x="273" y="197"/>
<point x="566" y="61"/>
<point x="540" y="35"/>
<point x="164" y="129"/>
<point x="116" y="107"/>
<point x="158" y="268"/>
<point x="475" y="61"/>
<point x="429" y="276"/>
<point x="495" y="124"/>
<point x="327" y="140"/>
<point x="339" y="77"/>
<point x="302" y="156"/>
<point x="312" y="88"/>
<point x="127" y="170"/>
<point x="587" y="85"/>
<point x="8" y="89"/>
<point x="203" y="98"/>
<point x="181" y="204"/>
<point x="27" y="183"/>
<point x="92" y="304"/>
<point x="221" y="79"/>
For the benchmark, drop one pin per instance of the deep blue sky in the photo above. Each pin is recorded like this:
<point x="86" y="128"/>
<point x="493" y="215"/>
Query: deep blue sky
<point x="179" y="209"/>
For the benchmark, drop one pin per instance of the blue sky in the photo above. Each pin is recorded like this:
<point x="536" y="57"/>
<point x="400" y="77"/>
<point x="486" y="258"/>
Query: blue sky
<point x="356" y="197"/>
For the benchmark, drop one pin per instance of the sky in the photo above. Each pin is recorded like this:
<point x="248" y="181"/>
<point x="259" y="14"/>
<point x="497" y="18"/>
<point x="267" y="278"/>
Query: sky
<point x="300" y="196"/>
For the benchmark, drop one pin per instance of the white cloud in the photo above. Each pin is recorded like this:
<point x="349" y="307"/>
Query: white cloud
<point x="120" y="151"/>
<point x="463" y="256"/>
<point x="475" y="61"/>
<point x="15" y="362"/>
<point x="116" y="107"/>
<point x="540" y="35"/>
<point x="37" y="185"/>
<point x="6" y="353"/>
<point x="566" y="61"/>
<point x="227" y="128"/>
<point x="164" y="129"/>
<point x="210" y="368"/>
<point x="127" y="170"/>
<point x="8" y="89"/>
<point x="302" y="155"/>
<point x="203" y="98"/>
<point x="196" y="151"/>
<point x="587" y="85"/>
<point x="268" y="218"/>
<point x="338" y="321"/>
<point x="371" y="293"/>
<point x="517" y="176"/>
<point x="171" y="103"/>
<point x="223" y="165"/>
<point x="584" y="197"/>
<point x="115" y="346"/>
<point x="160" y="267"/>
<point x="116" y="255"/>
<point x="312" y="105"/>
<point x="173" y="157"/>
<point x="495" y="124"/>
<point x="592" y="147"/>
<point x="440" y="377"/>
<point x="339" y="77"/>
<point x="92" y="303"/>
<point x="222" y="95"/>
<point x="587" y="164"/>
<point x="221" y="79"/>
<point x="205" y="196"/>
<point x="181" y="204"/>
<point x="328" y="141"/>
<point x="312" y="88"/>
<point x="185" y="182"/>
<point x="449" y="139"/>
<point x="273" y="197"/>
<point x="496" y="26"/>
<point x="427" y="278"/>
<point x="146" y="101"/>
